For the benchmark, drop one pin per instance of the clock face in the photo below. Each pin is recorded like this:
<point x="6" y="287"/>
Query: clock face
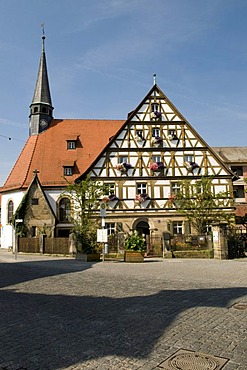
<point x="43" y="123"/>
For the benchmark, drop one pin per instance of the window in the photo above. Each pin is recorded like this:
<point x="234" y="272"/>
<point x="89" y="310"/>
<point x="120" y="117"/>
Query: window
<point x="237" y="170"/>
<point x="172" y="132"/>
<point x="189" y="158"/>
<point x="155" y="107"/>
<point x="175" y="187"/>
<point x="109" y="188"/>
<point x="10" y="211"/>
<point x="44" y="110"/>
<point x="238" y="191"/>
<point x="155" y="132"/>
<point x="123" y="159"/>
<point x="34" y="201"/>
<point x="68" y="171"/>
<point x="177" y="227"/>
<point x="141" y="188"/>
<point x="64" y="210"/>
<point x="33" y="231"/>
<point x="71" y="144"/>
<point x="156" y="158"/>
<point x="139" y="133"/>
<point x="111" y="228"/>
<point x="35" y="109"/>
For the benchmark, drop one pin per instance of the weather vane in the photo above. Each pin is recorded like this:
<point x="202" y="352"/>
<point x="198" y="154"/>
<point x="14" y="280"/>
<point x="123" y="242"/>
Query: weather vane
<point x="43" y="29"/>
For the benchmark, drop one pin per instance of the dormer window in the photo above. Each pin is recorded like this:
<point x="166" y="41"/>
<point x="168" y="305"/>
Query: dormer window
<point x="68" y="171"/>
<point x="71" y="144"/>
<point x="68" y="168"/>
<point x="72" y="141"/>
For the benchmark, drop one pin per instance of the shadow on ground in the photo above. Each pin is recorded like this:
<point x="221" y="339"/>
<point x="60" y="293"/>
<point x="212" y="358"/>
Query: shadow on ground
<point x="55" y="331"/>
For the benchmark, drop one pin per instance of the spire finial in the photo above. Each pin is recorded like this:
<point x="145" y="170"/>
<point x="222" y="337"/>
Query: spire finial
<point x="154" y="79"/>
<point x="43" y="37"/>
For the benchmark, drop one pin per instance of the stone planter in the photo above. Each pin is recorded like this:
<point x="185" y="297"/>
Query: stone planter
<point x="87" y="257"/>
<point x="133" y="256"/>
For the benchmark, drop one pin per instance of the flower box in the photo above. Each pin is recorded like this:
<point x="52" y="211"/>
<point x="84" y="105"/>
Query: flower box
<point x="191" y="166"/>
<point x="123" y="167"/>
<point x="157" y="140"/>
<point x="172" y="137"/>
<point x="157" y="166"/>
<point x="133" y="256"/>
<point x="156" y="115"/>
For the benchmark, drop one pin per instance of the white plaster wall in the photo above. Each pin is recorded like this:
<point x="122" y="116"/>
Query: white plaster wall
<point x="7" y="230"/>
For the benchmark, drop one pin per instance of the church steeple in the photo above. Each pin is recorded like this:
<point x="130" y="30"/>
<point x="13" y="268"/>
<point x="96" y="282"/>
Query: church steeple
<point x="41" y="107"/>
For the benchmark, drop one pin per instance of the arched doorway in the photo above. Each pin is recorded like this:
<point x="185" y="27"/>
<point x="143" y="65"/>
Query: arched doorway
<point x="142" y="228"/>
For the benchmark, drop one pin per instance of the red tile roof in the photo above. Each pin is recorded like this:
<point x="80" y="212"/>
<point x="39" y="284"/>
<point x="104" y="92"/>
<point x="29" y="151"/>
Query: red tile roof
<point x="48" y="153"/>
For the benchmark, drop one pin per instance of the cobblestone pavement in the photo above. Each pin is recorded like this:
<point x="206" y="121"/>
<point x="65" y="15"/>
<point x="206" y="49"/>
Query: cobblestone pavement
<point x="60" y="313"/>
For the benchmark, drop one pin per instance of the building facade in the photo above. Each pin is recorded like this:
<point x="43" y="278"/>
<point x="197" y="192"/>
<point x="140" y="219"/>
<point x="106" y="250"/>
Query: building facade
<point x="141" y="160"/>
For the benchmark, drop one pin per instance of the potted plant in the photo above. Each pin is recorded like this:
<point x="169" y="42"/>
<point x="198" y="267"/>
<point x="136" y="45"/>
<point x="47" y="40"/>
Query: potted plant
<point x="191" y="166"/>
<point x="123" y="167"/>
<point x="157" y="167"/>
<point x="156" y="115"/>
<point x="135" y="248"/>
<point x="140" y="198"/>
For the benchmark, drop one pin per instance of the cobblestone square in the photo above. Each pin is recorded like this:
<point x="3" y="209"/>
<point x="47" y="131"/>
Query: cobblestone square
<point x="61" y="313"/>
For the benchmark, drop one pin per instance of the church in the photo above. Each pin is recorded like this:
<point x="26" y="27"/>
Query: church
<point x="141" y="159"/>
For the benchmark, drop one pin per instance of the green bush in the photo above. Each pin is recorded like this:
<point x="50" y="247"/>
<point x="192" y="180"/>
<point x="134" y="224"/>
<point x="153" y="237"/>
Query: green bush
<point x="236" y="247"/>
<point x="135" y="243"/>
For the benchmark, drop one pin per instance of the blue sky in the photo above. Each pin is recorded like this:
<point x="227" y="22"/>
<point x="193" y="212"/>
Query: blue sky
<point x="102" y="54"/>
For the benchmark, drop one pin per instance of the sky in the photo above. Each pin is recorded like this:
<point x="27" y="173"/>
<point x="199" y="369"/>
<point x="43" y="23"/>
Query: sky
<point x="102" y="54"/>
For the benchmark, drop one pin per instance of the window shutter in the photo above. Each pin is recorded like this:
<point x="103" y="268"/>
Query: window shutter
<point x="187" y="228"/>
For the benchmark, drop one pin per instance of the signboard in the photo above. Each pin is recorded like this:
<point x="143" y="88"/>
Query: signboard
<point x="102" y="236"/>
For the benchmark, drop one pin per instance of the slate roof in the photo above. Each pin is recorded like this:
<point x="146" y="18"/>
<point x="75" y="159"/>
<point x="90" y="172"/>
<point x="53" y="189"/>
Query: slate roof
<point x="48" y="153"/>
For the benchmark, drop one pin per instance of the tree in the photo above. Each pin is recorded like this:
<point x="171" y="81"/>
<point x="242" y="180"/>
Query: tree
<point x="201" y="206"/>
<point x="85" y="196"/>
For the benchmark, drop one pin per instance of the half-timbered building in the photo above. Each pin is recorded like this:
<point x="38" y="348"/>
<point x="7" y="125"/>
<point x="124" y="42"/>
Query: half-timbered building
<point x="141" y="159"/>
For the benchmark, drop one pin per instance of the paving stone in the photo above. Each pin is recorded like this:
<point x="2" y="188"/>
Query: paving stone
<point x="59" y="313"/>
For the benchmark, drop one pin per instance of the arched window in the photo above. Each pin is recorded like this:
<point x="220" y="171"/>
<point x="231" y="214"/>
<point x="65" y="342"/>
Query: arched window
<point x="35" y="109"/>
<point x="64" y="210"/>
<point x="10" y="211"/>
<point x="44" y="109"/>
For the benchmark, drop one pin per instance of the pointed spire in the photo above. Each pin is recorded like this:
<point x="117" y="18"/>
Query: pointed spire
<point x="42" y="89"/>
<point x="41" y="109"/>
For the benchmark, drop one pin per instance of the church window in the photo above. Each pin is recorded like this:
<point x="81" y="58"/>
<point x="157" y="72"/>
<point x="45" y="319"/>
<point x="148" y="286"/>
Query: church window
<point x="71" y="144"/>
<point x="68" y="171"/>
<point x="35" y="201"/>
<point x="141" y="188"/>
<point x="10" y="211"/>
<point x="44" y="110"/>
<point x="35" y="109"/>
<point x="155" y="132"/>
<point x="64" y="210"/>
<point x="33" y="231"/>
